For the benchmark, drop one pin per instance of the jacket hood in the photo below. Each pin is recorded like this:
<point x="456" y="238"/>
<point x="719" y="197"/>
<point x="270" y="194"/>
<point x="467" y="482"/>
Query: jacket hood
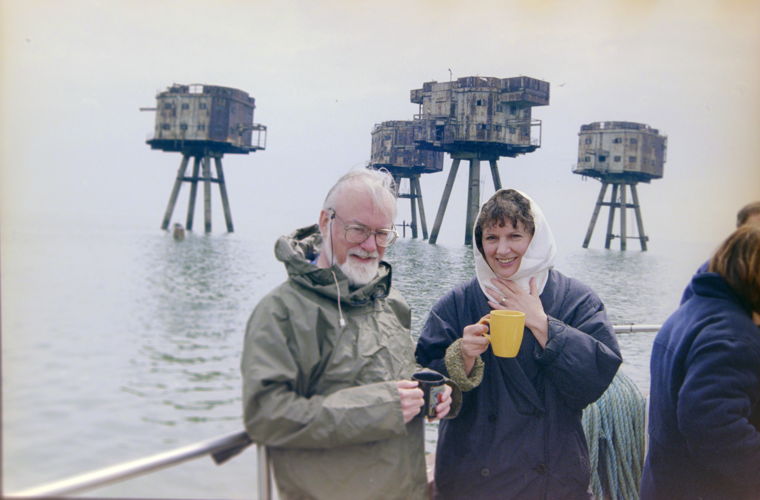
<point x="300" y="248"/>
<point x="537" y="260"/>
<point x="713" y="285"/>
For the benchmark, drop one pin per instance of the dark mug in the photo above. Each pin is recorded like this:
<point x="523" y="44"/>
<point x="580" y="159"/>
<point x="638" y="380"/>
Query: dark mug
<point x="432" y="384"/>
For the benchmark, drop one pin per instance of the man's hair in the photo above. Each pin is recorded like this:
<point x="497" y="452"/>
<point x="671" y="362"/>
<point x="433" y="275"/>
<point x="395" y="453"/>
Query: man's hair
<point x="378" y="183"/>
<point x="507" y="205"/>
<point x="746" y="212"/>
<point x="738" y="261"/>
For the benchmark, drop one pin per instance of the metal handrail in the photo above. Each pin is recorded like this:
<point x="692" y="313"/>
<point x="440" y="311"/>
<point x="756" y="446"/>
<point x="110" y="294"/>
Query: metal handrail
<point x="221" y="449"/>
<point x="636" y="328"/>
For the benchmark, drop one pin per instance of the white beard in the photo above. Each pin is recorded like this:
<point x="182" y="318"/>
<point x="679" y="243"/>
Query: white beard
<point x="358" y="274"/>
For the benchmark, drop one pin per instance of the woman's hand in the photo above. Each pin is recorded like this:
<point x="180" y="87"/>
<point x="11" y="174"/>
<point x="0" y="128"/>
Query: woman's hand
<point x="411" y="398"/>
<point x="510" y="296"/>
<point x="473" y="344"/>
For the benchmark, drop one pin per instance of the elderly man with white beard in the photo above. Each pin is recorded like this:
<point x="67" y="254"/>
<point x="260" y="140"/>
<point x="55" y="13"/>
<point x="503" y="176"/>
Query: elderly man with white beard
<point x="328" y="357"/>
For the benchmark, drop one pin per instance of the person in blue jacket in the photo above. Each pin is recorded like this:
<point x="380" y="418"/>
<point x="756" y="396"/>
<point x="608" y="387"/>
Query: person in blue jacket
<point x="704" y="409"/>
<point x="749" y="214"/>
<point x="519" y="432"/>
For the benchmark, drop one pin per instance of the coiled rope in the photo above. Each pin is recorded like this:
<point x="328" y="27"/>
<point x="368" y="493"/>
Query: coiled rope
<point x="615" y="431"/>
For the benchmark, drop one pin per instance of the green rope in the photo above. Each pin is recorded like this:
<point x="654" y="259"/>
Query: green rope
<point x="614" y="428"/>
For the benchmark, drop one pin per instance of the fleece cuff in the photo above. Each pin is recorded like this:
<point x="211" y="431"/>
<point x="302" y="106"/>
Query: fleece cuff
<point x="455" y="366"/>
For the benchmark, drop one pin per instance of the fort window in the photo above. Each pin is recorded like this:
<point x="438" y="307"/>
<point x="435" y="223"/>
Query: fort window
<point x="616" y="158"/>
<point x="587" y="140"/>
<point x="602" y="158"/>
<point x="634" y="140"/>
<point x="185" y="105"/>
<point x="631" y="159"/>
<point x="617" y="140"/>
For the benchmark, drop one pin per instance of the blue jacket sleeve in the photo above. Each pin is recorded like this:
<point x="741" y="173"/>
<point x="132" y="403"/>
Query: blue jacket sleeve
<point x="437" y="334"/>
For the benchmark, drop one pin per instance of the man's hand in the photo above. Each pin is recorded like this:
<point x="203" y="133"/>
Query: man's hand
<point x="411" y="399"/>
<point x="444" y="403"/>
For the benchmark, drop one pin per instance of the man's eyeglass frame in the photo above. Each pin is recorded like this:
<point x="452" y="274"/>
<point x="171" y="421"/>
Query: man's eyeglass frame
<point x="350" y="231"/>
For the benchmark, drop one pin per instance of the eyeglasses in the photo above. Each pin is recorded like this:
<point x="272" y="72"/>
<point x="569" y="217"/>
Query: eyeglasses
<point x="358" y="233"/>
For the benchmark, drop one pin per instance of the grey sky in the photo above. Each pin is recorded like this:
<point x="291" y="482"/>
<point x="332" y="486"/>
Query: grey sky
<point x="74" y="74"/>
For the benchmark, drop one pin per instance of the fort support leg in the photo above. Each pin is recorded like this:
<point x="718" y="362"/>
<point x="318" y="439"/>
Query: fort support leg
<point x="623" y="229"/>
<point x="223" y="192"/>
<point x="175" y="192"/>
<point x="396" y="185"/>
<point x="613" y="204"/>
<point x="599" y="201"/>
<point x="473" y="199"/>
<point x="193" y="192"/>
<point x="206" y="194"/>
<point x="495" y="175"/>
<point x="639" y="220"/>
<point x="413" y="203"/>
<point x="444" y="202"/>
<point x="416" y="181"/>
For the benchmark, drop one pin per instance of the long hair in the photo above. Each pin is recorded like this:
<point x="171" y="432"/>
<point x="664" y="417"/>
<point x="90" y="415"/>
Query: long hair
<point x="737" y="260"/>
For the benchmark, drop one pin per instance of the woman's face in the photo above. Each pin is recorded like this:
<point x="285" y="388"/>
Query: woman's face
<point x="504" y="247"/>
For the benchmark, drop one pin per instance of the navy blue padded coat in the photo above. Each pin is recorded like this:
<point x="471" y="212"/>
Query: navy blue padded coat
<point x="519" y="433"/>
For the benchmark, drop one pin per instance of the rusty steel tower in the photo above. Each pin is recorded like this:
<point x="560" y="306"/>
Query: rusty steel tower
<point x="477" y="118"/>
<point x="203" y="122"/>
<point x="620" y="154"/>
<point x="394" y="149"/>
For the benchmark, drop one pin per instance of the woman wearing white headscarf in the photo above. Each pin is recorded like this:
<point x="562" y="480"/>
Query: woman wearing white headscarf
<point x="519" y="432"/>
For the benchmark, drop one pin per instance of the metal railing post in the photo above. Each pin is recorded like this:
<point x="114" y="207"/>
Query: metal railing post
<point x="264" y="475"/>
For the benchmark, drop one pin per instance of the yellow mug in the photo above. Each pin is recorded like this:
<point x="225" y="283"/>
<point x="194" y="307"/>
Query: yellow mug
<point x="505" y="331"/>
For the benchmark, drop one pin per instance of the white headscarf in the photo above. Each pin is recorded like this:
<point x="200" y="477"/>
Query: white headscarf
<point x="536" y="262"/>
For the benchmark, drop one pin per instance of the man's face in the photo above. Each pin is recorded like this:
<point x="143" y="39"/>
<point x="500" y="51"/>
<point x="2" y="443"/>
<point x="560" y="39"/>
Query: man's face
<point x="358" y="261"/>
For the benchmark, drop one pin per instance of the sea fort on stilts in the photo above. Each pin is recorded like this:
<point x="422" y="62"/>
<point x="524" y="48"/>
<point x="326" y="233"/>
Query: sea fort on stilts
<point x="472" y="118"/>
<point x="203" y="122"/>
<point x="620" y="154"/>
